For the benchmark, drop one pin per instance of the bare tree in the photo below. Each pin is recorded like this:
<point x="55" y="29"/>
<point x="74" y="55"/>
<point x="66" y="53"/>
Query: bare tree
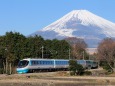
<point x="78" y="47"/>
<point x="106" y="51"/>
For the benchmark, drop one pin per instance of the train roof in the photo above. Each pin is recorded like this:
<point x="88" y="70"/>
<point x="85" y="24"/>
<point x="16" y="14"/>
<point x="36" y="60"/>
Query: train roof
<point x="42" y="59"/>
<point x="52" y="59"/>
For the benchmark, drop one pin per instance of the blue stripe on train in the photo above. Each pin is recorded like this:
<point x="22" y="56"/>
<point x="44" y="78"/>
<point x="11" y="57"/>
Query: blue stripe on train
<point x="22" y="71"/>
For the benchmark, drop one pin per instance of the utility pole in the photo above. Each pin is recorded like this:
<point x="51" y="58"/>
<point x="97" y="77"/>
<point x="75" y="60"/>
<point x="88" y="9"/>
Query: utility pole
<point x="83" y="56"/>
<point x="6" y="61"/>
<point x="89" y="57"/>
<point x="42" y="52"/>
<point x="69" y="53"/>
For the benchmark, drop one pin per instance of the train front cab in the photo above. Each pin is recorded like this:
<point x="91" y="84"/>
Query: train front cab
<point x="22" y="66"/>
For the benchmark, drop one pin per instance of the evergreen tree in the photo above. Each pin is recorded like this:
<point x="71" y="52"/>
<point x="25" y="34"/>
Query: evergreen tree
<point x="75" y="68"/>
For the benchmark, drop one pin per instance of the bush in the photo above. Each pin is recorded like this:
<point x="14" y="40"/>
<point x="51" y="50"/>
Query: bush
<point x="75" y="68"/>
<point x="105" y="66"/>
<point x="80" y="69"/>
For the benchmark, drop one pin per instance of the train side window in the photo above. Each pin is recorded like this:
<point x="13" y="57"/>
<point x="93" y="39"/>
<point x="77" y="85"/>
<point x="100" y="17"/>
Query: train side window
<point x="51" y="62"/>
<point x="48" y="62"/>
<point x="55" y="62"/>
<point x="33" y="62"/>
<point x="40" y="62"/>
<point x="61" y="62"/>
<point x="37" y="62"/>
<point x="45" y="63"/>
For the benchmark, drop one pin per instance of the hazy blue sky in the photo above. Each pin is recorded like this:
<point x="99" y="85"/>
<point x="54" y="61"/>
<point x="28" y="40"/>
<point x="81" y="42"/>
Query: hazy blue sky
<point x="28" y="16"/>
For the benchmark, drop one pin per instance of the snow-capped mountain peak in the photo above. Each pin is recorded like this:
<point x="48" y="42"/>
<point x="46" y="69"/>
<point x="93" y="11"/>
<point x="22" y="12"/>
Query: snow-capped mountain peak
<point x="82" y="17"/>
<point x="81" y="24"/>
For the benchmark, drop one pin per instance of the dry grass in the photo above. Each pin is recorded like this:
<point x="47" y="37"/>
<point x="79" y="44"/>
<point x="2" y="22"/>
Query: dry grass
<point x="54" y="79"/>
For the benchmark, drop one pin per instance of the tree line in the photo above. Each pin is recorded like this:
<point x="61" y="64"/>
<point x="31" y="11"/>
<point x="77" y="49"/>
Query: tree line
<point x="15" y="46"/>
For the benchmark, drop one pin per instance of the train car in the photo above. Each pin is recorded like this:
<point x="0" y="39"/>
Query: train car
<point x="61" y="64"/>
<point x="85" y="63"/>
<point x="88" y="64"/>
<point x="32" y="65"/>
<point x="94" y="64"/>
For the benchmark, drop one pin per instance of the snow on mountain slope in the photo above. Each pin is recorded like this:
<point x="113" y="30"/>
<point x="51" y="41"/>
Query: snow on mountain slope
<point x="81" y="24"/>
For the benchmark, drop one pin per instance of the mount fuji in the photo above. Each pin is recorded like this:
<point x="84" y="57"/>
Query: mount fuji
<point x="81" y="24"/>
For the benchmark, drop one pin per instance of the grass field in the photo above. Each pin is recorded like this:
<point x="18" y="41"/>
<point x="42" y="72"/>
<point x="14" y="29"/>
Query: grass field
<point x="61" y="78"/>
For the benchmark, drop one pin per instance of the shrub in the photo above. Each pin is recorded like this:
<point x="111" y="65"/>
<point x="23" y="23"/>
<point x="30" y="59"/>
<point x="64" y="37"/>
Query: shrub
<point x="80" y="69"/>
<point x="75" y="68"/>
<point x="105" y="66"/>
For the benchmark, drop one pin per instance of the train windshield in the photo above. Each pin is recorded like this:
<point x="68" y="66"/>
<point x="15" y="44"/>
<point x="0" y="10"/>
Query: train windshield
<point x="23" y="63"/>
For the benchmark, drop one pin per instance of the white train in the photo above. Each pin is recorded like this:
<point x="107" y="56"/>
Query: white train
<point x="31" y="65"/>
